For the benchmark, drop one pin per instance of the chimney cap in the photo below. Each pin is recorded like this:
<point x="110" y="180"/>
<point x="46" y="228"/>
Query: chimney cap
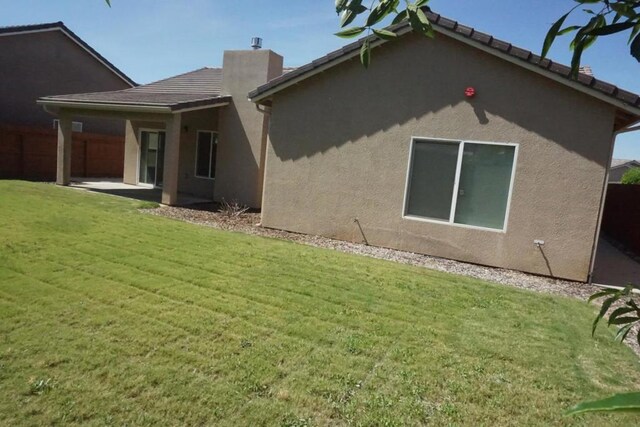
<point x="256" y="43"/>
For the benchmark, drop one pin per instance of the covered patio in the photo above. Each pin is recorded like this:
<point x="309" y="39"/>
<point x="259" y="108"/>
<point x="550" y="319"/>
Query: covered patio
<point x="165" y="123"/>
<point x="116" y="187"/>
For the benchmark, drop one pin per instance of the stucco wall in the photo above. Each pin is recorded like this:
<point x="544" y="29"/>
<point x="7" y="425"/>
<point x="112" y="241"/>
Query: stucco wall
<point x="192" y="122"/>
<point x="204" y="120"/>
<point x="339" y="149"/>
<point x="243" y="128"/>
<point x="49" y="63"/>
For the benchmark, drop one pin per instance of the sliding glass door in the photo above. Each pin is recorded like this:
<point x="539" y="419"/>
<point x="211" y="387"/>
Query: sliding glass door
<point x="151" y="157"/>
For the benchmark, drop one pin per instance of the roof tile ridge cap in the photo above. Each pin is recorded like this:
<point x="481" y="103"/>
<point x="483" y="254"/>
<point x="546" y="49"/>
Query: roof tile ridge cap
<point x="24" y="27"/>
<point x="88" y="93"/>
<point x="173" y="77"/>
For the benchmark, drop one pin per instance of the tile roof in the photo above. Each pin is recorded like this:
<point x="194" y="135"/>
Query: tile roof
<point x="59" y="26"/>
<point x="478" y="38"/>
<point x="201" y="86"/>
<point x="622" y="162"/>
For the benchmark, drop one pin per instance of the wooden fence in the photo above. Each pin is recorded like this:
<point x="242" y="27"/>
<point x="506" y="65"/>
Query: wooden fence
<point x="621" y="219"/>
<point x="30" y="153"/>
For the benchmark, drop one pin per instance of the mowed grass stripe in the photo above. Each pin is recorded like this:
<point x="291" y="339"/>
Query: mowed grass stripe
<point x="296" y="292"/>
<point x="141" y="320"/>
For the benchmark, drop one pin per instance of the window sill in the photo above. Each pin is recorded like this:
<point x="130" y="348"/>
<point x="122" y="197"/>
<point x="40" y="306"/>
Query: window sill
<point x="472" y="227"/>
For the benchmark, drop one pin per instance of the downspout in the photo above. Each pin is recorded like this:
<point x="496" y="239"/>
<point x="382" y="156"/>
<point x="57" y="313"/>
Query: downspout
<point x="629" y="128"/>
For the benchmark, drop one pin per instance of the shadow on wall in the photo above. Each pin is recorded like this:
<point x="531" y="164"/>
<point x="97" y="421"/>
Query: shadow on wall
<point x="237" y="165"/>
<point x="417" y="79"/>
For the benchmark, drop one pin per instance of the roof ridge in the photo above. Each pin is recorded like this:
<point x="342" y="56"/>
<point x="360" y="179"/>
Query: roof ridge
<point x="27" y="27"/>
<point x="179" y="75"/>
<point x="59" y="25"/>
<point x="495" y="46"/>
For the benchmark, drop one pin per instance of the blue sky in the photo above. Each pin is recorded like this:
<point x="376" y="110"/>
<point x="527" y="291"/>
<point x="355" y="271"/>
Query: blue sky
<point x="153" y="39"/>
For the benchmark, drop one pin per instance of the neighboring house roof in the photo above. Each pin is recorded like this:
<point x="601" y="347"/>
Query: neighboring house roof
<point x="618" y="163"/>
<point x="59" y="26"/>
<point x="199" y="88"/>
<point x="607" y="92"/>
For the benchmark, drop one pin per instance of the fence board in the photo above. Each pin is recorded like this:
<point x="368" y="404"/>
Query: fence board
<point x="30" y="153"/>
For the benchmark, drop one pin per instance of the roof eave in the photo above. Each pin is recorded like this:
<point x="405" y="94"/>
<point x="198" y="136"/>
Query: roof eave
<point x="259" y="97"/>
<point x="136" y="107"/>
<point x="105" y="106"/>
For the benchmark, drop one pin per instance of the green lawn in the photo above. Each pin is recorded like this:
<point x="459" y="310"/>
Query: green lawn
<point x="112" y="317"/>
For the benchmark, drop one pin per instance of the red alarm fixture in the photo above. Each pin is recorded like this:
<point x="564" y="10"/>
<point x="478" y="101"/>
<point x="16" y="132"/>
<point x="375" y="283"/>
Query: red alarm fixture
<point x="470" y="92"/>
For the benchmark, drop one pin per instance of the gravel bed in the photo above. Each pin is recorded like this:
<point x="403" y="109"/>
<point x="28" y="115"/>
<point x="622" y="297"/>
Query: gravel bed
<point x="211" y="215"/>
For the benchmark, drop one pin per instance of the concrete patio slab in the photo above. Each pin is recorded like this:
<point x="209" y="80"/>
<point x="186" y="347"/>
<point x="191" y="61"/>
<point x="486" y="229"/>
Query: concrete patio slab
<point x="116" y="187"/>
<point x="613" y="267"/>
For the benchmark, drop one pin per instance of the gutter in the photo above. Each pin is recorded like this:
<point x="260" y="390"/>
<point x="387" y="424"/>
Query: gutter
<point x="141" y="108"/>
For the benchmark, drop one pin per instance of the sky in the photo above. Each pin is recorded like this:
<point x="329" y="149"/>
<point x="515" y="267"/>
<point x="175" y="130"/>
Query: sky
<point x="153" y="39"/>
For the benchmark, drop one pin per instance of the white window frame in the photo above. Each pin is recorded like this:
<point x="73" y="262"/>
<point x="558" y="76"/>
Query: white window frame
<point x="456" y="186"/>
<point x="211" y="142"/>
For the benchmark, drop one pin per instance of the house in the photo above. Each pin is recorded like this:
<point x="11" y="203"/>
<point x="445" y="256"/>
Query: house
<point x="619" y="167"/>
<point x="196" y="133"/>
<point x="49" y="59"/>
<point x="462" y="147"/>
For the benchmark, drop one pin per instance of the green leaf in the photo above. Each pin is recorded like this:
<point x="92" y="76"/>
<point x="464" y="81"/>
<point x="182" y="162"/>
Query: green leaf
<point x="351" y="13"/>
<point x="385" y="35"/>
<point x="419" y="21"/>
<point x="635" y="48"/>
<point x="350" y="32"/>
<point x="623" y="320"/>
<point x="605" y="307"/>
<point x="108" y="2"/>
<point x="341" y="5"/>
<point x="634" y="32"/>
<point x="365" y="54"/>
<point x="618" y="402"/>
<point x="421" y="3"/>
<point x="623" y="332"/>
<point x="381" y="11"/>
<point x="623" y="10"/>
<point x="568" y="30"/>
<point x="602" y="294"/>
<point x="611" y="29"/>
<point x="402" y="16"/>
<point x="619" y="312"/>
<point x="552" y="34"/>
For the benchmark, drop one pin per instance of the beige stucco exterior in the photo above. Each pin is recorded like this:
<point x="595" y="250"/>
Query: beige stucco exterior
<point x="241" y="134"/>
<point x="191" y="123"/>
<point x="339" y="150"/>
<point x="46" y="63"/>
<point x="243" y="129"/>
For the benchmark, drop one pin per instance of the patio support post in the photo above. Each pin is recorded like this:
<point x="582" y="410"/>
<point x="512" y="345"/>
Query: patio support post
<point x="171" y="160"/>
<point x="63" y="171"/>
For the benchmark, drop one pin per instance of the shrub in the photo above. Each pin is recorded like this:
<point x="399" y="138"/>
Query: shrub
<point x="632" y="176"/>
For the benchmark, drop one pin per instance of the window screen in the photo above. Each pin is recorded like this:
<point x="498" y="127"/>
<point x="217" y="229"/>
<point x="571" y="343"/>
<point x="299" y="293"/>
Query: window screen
<point x="433" y="174"/>
<point x="476" y="187"/>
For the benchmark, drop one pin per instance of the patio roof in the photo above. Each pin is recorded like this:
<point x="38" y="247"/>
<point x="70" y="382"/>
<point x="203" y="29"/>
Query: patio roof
<point x="196" y="89"/>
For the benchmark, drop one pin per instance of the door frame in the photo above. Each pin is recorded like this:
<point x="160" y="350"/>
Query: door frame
<point x="140" y="130"/>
